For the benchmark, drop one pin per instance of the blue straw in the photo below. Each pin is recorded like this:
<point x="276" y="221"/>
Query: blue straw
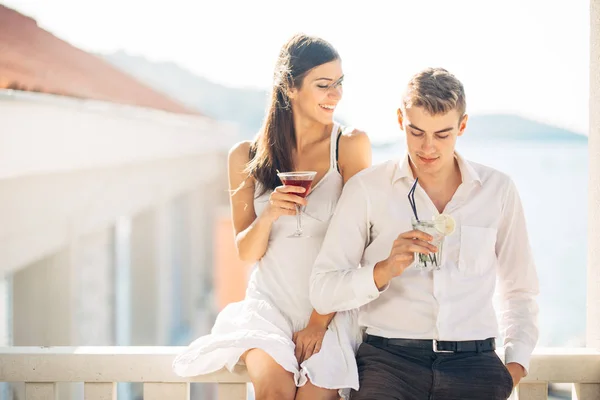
<point x="411" y="198"/>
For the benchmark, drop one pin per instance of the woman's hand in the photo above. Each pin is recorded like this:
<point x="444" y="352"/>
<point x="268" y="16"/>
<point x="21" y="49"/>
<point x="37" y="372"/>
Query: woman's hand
<point x="283" y="201"/>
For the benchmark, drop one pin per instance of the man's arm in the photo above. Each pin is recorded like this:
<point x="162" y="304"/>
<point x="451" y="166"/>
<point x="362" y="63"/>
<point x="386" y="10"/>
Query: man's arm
<point x="518" y="282"/>
<point x="337" y="283"/>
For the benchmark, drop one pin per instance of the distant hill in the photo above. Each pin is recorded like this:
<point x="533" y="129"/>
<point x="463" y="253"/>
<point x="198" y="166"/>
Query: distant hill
<point x="494" y="128"/>
<point x="32" y="59"/>
<point x="247" y="106"/>
<point x="514" y="127"/>
<point x="243" y="106"/>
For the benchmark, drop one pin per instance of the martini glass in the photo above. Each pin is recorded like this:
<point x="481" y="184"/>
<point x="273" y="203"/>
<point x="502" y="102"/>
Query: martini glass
<point x="302" y="179"/>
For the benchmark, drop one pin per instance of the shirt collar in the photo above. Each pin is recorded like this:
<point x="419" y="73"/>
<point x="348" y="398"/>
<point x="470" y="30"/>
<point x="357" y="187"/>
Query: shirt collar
<point x="468" y="173"/>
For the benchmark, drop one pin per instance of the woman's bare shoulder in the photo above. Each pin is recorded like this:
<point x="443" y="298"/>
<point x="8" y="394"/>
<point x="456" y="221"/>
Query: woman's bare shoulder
<point x="240" y="152"/>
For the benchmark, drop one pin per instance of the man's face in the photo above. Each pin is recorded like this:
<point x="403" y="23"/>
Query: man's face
<point x="431" y="139"/>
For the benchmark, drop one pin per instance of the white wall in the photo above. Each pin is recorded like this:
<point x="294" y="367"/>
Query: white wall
<point x="70" y="167"/>
<point x="593" y="276"/>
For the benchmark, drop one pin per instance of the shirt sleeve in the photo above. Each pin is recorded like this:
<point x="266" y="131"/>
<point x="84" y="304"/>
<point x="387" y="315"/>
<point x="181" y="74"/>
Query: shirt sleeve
<point x="517" y="282"/>
<point x="338" y="281"/>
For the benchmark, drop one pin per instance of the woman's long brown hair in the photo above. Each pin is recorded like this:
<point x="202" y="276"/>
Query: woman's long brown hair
<point x="272" y="148"/>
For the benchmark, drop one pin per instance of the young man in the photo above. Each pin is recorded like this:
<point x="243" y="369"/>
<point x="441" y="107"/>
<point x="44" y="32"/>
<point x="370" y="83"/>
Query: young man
<point x="430" y="333"/>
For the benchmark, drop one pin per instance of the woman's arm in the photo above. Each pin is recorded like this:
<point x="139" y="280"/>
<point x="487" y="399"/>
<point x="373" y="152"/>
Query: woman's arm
<point x="354" y="153"/>
<point x="252" y="232"/>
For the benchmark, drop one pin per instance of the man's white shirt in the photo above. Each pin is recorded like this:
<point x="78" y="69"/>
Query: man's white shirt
<point x="488" y="251"/>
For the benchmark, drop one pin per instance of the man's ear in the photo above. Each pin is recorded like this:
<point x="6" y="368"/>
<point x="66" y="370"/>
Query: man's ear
<point x="462" y="125"/>
<point x="400" y="118"/>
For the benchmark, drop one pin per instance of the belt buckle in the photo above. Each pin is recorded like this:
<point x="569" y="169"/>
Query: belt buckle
<point x="435" y="348"/>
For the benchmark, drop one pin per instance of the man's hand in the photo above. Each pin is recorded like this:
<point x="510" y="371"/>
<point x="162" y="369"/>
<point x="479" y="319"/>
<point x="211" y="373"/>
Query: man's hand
<point x="402" y="255"/>
<point x="308" y="341"/>
<point x="517" y="372"/>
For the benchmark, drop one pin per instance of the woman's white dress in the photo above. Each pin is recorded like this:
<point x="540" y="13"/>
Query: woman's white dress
<point x="277" y="303"/>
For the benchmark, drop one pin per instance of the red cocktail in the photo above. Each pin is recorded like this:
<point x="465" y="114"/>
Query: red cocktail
<point x="302" y="179"/>
<point x="305" y="183"/>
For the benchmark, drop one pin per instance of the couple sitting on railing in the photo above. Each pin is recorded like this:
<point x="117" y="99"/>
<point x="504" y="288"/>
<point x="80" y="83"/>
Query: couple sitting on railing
<point x="344" y="307"/>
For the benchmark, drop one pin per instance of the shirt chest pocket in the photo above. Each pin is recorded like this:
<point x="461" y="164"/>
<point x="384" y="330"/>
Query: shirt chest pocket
<point x="477" y="253"/>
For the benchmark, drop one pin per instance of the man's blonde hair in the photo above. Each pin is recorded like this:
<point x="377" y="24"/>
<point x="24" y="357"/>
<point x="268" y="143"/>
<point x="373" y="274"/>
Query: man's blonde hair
<point x="435" y="90"/>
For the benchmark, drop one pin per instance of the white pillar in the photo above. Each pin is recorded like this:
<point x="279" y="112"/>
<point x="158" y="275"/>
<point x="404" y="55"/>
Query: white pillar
<point x="66" y="299"/>
<point x="5" y="324"/>
<point x="201" y="274"/>
<point x="152" y="265"/>
<point x="188" y="283"/>
<point x="42" y="306"/>
<point x="593" y="274"/>
<point x="166" y="263"/>
<point x="6" y="311"/>
<point x="143" y="279"/>
<point x="122" y="281"/>
<point x="93" y="295"/>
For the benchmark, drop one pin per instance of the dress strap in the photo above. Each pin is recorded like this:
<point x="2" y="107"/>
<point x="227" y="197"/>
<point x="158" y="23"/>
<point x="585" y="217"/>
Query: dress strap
<point x="335" y="137"/>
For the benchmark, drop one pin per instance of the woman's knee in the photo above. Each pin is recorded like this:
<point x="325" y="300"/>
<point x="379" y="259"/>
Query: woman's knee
<point x="270" y="380"/>
<point x="275" y="386"/>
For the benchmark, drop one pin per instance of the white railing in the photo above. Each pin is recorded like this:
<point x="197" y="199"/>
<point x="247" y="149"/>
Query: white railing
<point x="100" y="368"/>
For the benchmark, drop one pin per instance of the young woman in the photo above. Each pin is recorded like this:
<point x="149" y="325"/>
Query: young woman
<point x="290" y="351"/>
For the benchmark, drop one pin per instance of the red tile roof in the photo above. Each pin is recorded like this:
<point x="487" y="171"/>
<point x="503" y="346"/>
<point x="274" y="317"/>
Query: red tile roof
<point x="33" y="59"/>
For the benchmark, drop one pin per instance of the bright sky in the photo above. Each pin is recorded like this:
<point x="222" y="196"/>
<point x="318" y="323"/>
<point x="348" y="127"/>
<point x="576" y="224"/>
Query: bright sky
<point x="528" y="57"/>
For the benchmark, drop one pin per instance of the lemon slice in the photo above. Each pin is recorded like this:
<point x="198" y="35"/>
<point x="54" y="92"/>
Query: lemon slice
<point x="444" y="224"/>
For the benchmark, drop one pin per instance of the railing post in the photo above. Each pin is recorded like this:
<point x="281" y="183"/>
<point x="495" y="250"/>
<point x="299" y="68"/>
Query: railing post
<point x="40" y="391"/>
<point x="100" y="391"/>
<point x="532" y="391"/>
<point x="585" y="391"/>
<point x="163" y="391"/>
<point x="231" y="391"/>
